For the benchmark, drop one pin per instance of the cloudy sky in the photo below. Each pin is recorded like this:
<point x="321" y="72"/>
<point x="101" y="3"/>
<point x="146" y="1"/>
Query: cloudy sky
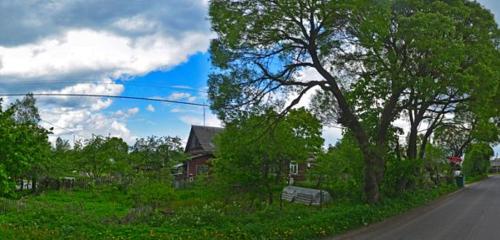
<point x="155" y="48"/>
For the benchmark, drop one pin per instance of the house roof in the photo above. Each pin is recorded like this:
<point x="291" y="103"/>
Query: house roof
<point x="201" y="138"/>
<point x="495" y="162"/>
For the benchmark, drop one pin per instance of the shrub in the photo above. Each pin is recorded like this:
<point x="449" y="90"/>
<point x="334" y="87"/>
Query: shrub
<point x="153" y="193"/>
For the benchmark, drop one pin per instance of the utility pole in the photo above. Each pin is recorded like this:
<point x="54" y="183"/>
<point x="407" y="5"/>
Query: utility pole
<point x="204" y="122"/>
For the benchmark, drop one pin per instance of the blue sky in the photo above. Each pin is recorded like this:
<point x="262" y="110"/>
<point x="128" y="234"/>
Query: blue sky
<point x="187" y="79"/>
<point x="156" y="48"/>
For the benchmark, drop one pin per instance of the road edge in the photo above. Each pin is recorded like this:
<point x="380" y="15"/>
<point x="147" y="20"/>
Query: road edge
<point x="405" y="215"/>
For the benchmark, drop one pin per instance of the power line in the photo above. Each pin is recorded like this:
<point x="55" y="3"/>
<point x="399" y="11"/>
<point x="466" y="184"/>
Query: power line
<point x="71" y="131"/>
<point x="102" y="96"/>
<point x="57" y="126"/>
<point x="57" y="83"/>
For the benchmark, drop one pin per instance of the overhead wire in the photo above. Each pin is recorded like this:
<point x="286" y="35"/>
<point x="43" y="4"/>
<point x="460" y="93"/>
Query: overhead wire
<point x="59" y="83"/>
<point x="103" y="96"/>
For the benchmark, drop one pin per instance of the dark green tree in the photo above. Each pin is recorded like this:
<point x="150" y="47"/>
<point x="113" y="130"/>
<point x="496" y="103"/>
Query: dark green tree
<point x="24" y="145"/>
<point x="368" y="56"/>
<point x="103" y="156"/>
<point x="253" y="154"/>
<point x="340" y="169"/>
<point x="157" y="155"/>
<point x="477" y="160"/>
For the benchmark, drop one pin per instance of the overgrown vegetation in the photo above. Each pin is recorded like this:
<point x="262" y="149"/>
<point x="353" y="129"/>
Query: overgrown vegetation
<point x="107" y="213"/>
<point x="254" y="153"/>
<point x="432" y="64"/>
<point x="126" y="193"/>
<point x="368" y="64"/>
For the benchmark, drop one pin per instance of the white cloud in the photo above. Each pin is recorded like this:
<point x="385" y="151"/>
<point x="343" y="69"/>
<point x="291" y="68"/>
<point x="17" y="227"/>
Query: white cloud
<point x="150" y="108"/>
<point x="105" y="87"/>
<point x="133" y="111"/>
<point x="136" y="24"/>
<point x="75" y="117"/>
<point x="81" y="46"/>
<point x="81" y="124"/>
<point x="39" y="19"/>
<point x="176" y="96"/>
<point x="98" y="52"/>
<point x="332" y="135"/>
<point x="210" y="120"/>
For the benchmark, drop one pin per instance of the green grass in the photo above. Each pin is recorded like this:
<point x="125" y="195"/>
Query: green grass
<point x="469" y="180"/>
<point x="100" y="214"/>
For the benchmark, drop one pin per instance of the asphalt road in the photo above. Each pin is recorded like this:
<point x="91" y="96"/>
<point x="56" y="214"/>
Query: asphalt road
<point x="473" y="213"/>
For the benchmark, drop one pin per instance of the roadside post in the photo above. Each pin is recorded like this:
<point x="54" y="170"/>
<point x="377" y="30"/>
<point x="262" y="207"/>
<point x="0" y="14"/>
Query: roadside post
<point x="456" y="164"/>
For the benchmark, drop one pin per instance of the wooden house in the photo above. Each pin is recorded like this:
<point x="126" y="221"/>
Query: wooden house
<point x="200" y="148"/>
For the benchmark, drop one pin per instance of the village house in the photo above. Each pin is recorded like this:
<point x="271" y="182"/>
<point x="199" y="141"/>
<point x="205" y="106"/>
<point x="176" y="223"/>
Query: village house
<point x="495" y="165"/>
<point x="200" y="149"/>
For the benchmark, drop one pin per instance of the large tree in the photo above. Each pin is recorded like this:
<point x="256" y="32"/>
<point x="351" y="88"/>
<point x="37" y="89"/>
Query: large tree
<point x="477" y="159"/>
<point x="103" y="156"/>
<point x="253" y="154"/>
<point x="157" y="154"/>
<point x="24" y="145"/>
<point x="368" y="56"/>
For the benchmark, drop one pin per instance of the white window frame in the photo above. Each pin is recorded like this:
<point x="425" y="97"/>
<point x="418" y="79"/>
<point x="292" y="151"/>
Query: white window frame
<point x="294" y="168"/>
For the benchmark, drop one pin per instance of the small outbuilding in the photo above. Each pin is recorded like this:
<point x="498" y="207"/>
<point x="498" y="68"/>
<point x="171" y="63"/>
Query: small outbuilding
<point x="308" y="196"/>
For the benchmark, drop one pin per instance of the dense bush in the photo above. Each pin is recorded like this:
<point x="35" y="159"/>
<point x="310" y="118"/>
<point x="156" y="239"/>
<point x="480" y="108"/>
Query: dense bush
<point x="153" y="193"/>
<point x="477" y="160"/>
<point x="401" y="175"/>
<point x="340" y="170"/>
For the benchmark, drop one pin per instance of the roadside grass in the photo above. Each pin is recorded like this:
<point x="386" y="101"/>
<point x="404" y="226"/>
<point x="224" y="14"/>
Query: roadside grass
<point x="469" y="180"/>
<point x="101" y="214"/>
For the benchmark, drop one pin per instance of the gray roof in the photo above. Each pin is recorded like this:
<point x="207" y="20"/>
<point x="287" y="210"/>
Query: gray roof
<point x="203" y="137"/>
<point x="495" y="162"/>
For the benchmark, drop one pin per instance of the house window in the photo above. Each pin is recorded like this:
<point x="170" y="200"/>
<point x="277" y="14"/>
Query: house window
<point x="201" y="169"/>
<point x="294" y="168"/>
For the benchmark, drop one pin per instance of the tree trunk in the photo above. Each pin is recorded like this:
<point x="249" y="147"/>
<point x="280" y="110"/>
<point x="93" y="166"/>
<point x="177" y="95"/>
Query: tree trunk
<point x="411" y="152"/>
<point x="33" y="185"/>
<point x="374" y="172"/>
<point x="423" y="145"/>
<point x="371" y="185"/>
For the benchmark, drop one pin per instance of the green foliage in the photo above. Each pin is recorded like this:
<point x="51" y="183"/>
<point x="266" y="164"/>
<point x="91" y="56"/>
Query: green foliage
<point x="418" y="58"/>
<point x="103" y="156"/>
<point x="63" y="161"/>
<point x="340" y="169"/>
<point x="153" y="193"/>
<point x="253" y="154"/>
<point x="102" y="214"/>
<point x="436" y="163"/>
<point x="24" y="144"/>
<point x="477" y="160"/>
<point x="156" y="155"/>
<point x="402" y="175"/>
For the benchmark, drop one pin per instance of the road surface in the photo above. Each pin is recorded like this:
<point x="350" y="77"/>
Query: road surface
<point x="473" y="213"/>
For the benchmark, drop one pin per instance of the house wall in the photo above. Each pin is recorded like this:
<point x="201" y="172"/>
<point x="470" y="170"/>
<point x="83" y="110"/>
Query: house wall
<point x="192" y="165"/>
<point x="301" y="176"/>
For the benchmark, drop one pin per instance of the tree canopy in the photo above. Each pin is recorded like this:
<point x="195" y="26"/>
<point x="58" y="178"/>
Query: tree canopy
<point x="24" y="145"/>
<point x="376" y="61"/>
<point x="253" y="154"/>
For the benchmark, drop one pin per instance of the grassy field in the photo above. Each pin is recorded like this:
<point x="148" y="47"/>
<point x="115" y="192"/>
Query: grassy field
<point x="107" y="213"/>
